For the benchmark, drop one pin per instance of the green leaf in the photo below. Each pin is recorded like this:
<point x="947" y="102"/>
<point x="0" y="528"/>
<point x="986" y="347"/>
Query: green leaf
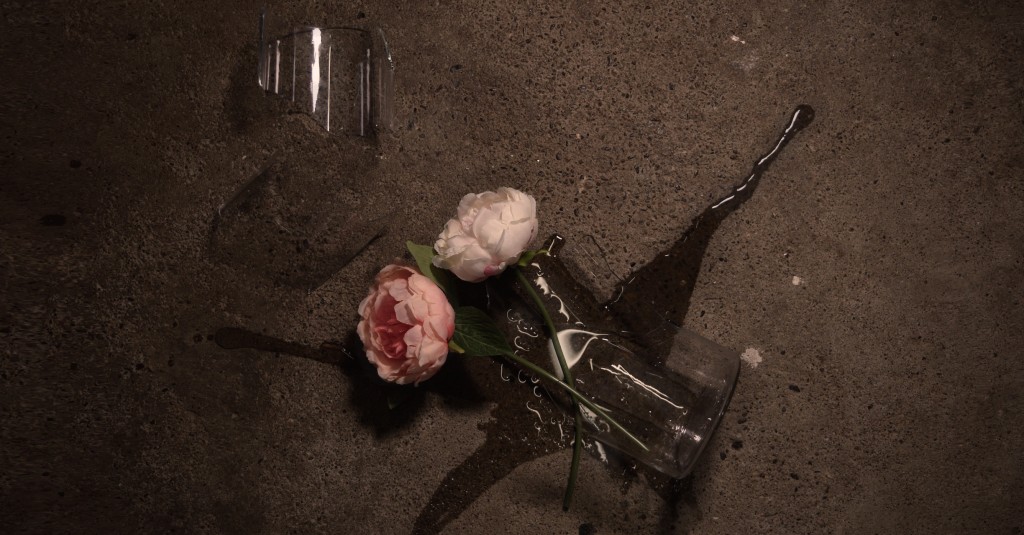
<point x="424" y="256"/>
<point x="478" y="335"/>
<point x="527" y="256"/>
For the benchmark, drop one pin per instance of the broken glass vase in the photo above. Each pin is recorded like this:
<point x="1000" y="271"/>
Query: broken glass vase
<point x="671" y="402"/>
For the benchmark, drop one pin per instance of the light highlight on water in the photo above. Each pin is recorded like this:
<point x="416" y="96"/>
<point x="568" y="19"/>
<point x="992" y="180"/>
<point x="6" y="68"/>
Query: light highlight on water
<point x="572" y="353"/>
<point x="618" y="371"/>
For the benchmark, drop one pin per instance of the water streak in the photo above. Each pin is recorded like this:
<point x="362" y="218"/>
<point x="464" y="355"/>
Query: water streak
<point x="545" y="289"/>
<point x="619" y="371"/>
<point x="654" y="301"/>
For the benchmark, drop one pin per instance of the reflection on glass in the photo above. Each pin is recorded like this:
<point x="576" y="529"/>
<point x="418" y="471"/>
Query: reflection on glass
<point x="342" y="77"/>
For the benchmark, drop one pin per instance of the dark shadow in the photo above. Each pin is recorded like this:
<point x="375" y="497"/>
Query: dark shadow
<point x="681" y="506"/>
<point x="461" y="383"/>
<point x="502" y="452"/>
<point x="381" y="406"/>
<point x="246" y="105"/>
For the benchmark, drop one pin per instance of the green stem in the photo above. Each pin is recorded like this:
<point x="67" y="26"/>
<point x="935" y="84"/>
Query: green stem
<point x="579" y="397"/>
<point x="577" y="443"/>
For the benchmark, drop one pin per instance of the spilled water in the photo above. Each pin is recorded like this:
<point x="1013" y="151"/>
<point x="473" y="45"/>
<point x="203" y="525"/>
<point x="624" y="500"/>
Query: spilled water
<point x="658" y="295"/>
<point x="652" y="303"/>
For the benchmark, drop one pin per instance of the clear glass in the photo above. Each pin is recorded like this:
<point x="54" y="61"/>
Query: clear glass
<point x="341" y="77"/>
<point x="668" y="386"/>
<point x="310" y="210"/>
<point x="295" y="225"/>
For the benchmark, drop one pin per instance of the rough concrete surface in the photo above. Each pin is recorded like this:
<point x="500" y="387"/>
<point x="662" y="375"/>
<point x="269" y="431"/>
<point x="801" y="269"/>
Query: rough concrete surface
<point x="873" y="282"/>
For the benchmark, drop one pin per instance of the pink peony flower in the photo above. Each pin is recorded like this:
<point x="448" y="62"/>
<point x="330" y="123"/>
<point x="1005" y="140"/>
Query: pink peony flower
<point x="490" y="231"/>
<point x="406" y="325"/>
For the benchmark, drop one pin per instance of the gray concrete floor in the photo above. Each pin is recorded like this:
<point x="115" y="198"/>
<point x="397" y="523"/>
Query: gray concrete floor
<point x="877" y="272"/>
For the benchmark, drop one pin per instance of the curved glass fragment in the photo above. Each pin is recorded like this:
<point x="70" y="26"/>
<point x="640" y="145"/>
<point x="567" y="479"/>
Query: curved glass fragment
<point x="342" y="77"/>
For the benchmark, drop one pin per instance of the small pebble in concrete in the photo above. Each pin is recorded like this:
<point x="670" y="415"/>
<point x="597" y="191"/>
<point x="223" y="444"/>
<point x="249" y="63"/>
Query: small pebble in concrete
<point x="752" y="357"/>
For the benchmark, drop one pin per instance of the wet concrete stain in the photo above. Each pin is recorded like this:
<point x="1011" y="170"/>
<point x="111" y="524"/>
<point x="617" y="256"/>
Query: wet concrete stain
<point x="657" y="296"/>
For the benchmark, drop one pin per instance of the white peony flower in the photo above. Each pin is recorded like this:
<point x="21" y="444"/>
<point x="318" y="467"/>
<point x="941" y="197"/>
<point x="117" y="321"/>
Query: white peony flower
<point x="492" y="229"/>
